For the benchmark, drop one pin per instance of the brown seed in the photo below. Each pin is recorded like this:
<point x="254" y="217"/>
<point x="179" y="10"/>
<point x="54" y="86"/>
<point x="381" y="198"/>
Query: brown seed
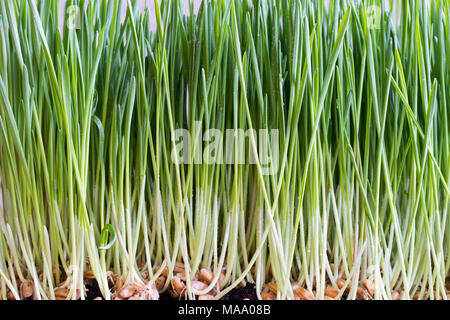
<point x="128" y="291"/>
<point x="160" y="282"/>
<point x="98" y="298"/>
<point x="173" y="294"/>
<point x="145" y="274"/>
<point x="304" y="294"/>
<point x="362" y="293"/>
<point x="10" y="296"/>
<point x="135" y="297"/>
<point x="60" y="298"/>
<point x="328" y="298"/>
<point x="61" y="293"/>
<point x="272" y="287"/>
<point x="165" y="272"/>
<point x="206" y="297"/>
<point x="118" y="283"/>
<point x="331" y="292"/>
<point x="140" y="287"/>
<point x="368" y="284"/>
<point x="151" y="293"/>
<point x="340" y="283"/>
<point x="179" y="267"/>
<point x="177" y="285"/>
<point x="181" y="275"/>
<point x="206" y="276"/>
<point x="198" y="285"/>
<point x="268" y="296"/>
<point x="294" y="285"/>
<point x="332" y="267"/>
<point x="416" y="295"/>
<point x="221" y="279"/>
<point x="89" y="274"/>
<point x="395" y="295"/>
<point x="27" y="288"/>
<point x="110" y="278"/>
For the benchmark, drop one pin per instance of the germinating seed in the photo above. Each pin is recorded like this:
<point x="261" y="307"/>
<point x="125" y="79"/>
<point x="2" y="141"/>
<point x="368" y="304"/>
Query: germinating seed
<point x="304" y="294"/>
<point x="27" y="288"/>
<point x="206" y="276"/>
<point x="331" y="292"/>
<point x="368" y="284"/>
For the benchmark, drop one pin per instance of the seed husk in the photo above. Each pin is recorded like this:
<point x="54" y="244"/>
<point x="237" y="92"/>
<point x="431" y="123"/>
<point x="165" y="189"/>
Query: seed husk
<point x="178" y="285"/>
<point x="160" y="282"/>
<point x="362" y="293"/>
<point x="304" y="294"/>
<point x="268" y="296"/>
<point x="61" y="293"/>
<point x="368" y="284"/>
<point x="396" y="295"/>
<point x="165" y="272"/>
<point x="10" y="296"/>
<point x="341" y="283"/>
<point x="118" y="283"/>
<point x="178" y="268"/>
<point x="151" y="293"/>
<point x="331" y="292"/>
<point x="181" y="275"/>
<point x="198" y="285"/>
<point x="27" y="289"/>
<point x="206" y="276"/>
<point x="272" y="287"/>
<point x="89" y="274"/>
<point x="127" y="291"/>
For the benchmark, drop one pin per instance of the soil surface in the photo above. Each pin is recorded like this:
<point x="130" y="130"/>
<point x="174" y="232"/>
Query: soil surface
<point x="93" y="291"/>
<point x="247" y="292"/>
<point x="241" y="293"/>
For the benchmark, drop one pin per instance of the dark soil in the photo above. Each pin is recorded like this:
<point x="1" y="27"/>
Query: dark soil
<point x="93" y="290"/>
<point x="166" y="296"/>
<point x="240" y="293"/>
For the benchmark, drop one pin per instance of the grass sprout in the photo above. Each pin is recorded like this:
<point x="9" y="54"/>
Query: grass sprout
<point x="91" y="103"/>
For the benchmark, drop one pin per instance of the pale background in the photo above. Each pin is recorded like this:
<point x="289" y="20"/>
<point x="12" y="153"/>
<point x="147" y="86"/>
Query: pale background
<point x="149" y="4"/>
